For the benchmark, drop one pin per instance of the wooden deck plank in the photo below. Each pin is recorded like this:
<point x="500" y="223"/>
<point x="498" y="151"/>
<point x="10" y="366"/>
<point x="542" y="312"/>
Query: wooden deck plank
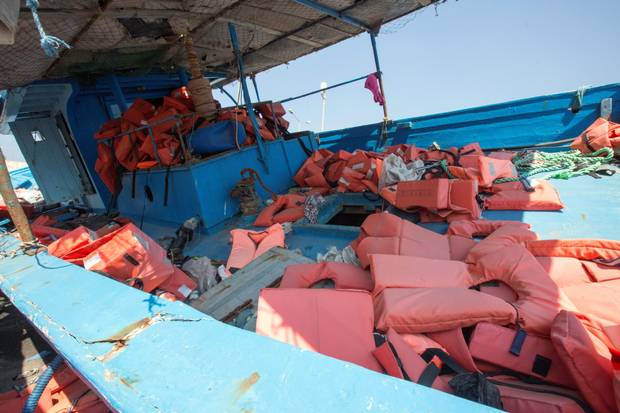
<point x="241" y="290"/>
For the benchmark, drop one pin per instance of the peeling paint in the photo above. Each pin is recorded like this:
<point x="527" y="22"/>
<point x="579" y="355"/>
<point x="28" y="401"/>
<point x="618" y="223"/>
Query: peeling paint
<point x="246" y="384"/>
<point x="128" y="381"/>
<point x="27" y="267"/>
<point x="122" y="338"/>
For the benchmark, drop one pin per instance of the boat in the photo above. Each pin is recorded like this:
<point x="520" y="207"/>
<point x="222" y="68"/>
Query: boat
<point x="191" y="346"/>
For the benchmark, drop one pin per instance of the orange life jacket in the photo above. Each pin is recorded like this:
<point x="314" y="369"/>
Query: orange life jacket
<point x="512" y="196"/>
<point x="285" y="208"/>
<point x="70" y="241"/>
<point x="601" y="134"/>
<point x="105" y="166"/>
<point x="130" y="253"/>
<point x="179" y="284"/>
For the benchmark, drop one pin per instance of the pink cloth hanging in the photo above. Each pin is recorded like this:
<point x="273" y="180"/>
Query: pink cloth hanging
<point x="372" y="84"/>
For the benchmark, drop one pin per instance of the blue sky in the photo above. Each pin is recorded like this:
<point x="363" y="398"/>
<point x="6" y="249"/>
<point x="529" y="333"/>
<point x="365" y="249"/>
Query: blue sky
<point x="474" y="52"/>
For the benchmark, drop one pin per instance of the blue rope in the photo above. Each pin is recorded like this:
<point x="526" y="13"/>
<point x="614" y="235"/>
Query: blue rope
<point x="50" y="44"/>
<point x="44" y="379"/>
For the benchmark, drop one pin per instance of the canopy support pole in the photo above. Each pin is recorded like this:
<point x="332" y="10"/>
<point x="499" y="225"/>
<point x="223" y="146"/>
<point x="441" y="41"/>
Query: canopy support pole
<point x="253" y="77"/>
<point x="373" y="41"/>
<point x="246" y="94"/>
<point x="335" y="14"/>
<point x="118" y="92"/>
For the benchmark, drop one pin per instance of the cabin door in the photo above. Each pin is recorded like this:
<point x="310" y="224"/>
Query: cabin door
<point x="53" y="158"/>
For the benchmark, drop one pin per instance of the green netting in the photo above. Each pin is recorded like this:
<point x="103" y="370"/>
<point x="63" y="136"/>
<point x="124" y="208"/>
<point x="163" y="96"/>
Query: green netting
<point x="561" y="165"/>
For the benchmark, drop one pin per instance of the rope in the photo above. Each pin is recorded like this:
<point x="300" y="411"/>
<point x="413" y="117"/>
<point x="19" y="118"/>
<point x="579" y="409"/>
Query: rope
<point x="50" y="44"/>
<point x="253" y="174"/>
<point x="563" y="165"/>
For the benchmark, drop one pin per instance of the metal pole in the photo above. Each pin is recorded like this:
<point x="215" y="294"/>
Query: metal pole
<point x="183" y="76"/>
<point x="12" y="204"/>
<point x="314" y="92"/>
<point x="379" y="75"/>
<point x="224" y="91"/>
<point x="118" y="92"/>
<point x="323" y="103"/>
<point x="253" y="77"/>
<point x="246" y="93"/>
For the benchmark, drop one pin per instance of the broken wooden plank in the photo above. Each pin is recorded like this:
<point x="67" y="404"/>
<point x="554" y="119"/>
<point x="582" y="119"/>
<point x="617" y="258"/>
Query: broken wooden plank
<point x="239" y="292"/>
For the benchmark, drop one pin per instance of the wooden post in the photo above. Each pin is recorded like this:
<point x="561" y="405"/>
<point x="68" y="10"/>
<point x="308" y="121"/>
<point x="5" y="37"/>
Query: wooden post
<point x="12" y="204"/>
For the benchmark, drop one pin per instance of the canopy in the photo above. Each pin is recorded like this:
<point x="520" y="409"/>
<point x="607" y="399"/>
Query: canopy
<point x="121" y="36"/>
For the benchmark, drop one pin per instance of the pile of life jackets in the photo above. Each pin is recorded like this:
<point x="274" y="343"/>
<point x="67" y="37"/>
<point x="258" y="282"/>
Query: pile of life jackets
<point x="126" y="254"/>
<point x="172" y="120"/>
<point x="510" y="321"/>
<point x="456" y="184"/>
<point x="65" y="392"/>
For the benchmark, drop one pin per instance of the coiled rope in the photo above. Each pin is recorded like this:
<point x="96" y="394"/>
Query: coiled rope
<point x="50" y="44"/>
<point x="563" y="165"/>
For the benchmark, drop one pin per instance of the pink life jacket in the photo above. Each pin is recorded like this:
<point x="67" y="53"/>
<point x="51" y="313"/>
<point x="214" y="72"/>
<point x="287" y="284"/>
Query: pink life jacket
<point x="399" y="360"/>
<point x="480" y="227"/>
<point x="587" y="358"/>
<point x="344" y="276"/>
<point x="426" y="310"/>
<point x="336" y="323"/>
<point x="599" y="301"/>
<point x="460" y="247"/>
<point x="534" y="356"/>
<point x="454" y="343"/>
<point x="384" y="233"/>
<point x="399" y="271"/>
<point x="248" y="245"/>
<point x="520" y="397"/>
<point x="501" y="257"/>
<point x="605" y="251"/>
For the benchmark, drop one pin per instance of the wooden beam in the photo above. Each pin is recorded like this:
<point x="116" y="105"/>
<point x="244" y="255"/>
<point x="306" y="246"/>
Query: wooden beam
<point x="270" y="31"/>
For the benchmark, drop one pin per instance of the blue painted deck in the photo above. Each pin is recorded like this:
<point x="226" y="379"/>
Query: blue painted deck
<point x="176" y="359"/>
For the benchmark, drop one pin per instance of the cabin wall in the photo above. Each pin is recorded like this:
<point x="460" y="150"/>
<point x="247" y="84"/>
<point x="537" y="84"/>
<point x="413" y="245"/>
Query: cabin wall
<point x="203" y="188"/>
<point x="92" y="103"/>
<point x="521" y="122"/>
